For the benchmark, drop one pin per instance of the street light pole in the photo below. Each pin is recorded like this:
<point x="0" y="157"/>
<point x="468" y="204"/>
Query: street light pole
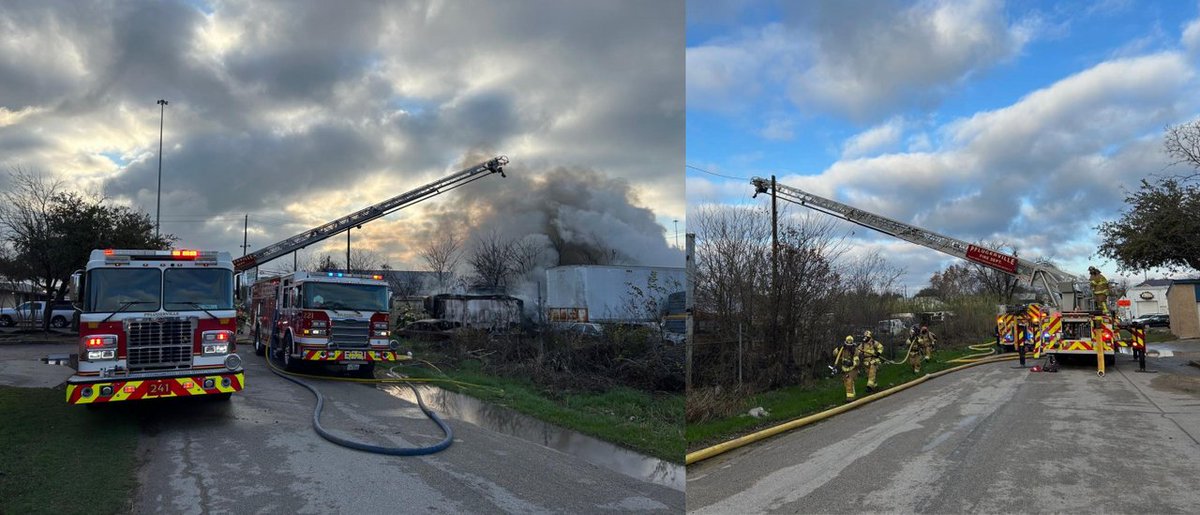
<point x="162" y="112"/>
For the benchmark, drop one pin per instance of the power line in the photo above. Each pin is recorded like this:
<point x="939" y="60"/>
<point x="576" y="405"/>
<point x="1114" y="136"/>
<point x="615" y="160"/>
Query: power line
<point x="698" y="169"/>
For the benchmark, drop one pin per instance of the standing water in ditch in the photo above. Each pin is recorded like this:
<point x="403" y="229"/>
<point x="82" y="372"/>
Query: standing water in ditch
<point x="504" y="420"/>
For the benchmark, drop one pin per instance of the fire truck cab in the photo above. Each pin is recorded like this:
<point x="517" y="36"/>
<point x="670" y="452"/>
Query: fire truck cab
<point x="153" y="324"/>
<point x="332" y="318"/>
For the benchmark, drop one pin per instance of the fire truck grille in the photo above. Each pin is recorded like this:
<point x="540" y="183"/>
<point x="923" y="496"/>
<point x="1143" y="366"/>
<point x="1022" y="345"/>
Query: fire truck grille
<point x="350" y="333"/>
<point x="159" y="344"/>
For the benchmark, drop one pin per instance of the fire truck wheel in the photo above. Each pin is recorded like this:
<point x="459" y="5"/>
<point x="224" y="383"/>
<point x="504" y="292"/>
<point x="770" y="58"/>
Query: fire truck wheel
<point x="259" y="349"/>
<point x="1110" y="361"/>
<point x="289" y="363"/>
<point x="59" y="321"/>
<point x="6" y="321"/>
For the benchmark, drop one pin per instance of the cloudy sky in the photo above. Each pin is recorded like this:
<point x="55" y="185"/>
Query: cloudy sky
<point x="300" y="112"/>
<point x="1019" y="121"/>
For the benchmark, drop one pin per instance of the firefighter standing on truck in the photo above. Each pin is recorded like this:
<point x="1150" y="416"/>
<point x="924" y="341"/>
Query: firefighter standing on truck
<point x="871" y="352"/>
<point x="1099" y="288"/>
<point x="846" y="358"/>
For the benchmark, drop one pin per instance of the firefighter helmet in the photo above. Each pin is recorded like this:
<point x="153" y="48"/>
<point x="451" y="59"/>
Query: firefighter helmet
<point x="849" y="340"/>
<point x="867" y="334"/>
<point x="1093" y="270"/>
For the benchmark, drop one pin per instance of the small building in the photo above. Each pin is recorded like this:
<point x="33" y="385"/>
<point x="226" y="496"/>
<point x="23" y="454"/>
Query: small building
<point x="1148" y="298"/>
<point x="13" y="293"/>
<point x="1183" y="296"/>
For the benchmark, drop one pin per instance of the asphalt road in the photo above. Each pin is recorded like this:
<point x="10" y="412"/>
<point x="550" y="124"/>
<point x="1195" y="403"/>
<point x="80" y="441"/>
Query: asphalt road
<point x="988" y="439"/>
<point x="257" y="453"/>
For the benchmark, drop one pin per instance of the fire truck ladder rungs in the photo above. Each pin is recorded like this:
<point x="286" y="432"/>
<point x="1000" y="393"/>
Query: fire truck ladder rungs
<point x="1026" y="270"/>
<point x="362" y="216"/>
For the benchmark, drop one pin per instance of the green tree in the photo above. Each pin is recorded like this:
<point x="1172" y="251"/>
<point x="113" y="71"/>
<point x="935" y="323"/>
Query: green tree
<point x="1160" y="228"/>
<point x="50" y="231"/>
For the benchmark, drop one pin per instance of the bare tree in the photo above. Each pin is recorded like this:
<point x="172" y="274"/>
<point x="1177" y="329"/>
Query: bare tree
<point x="491" y="259"/>
<point x="442" y="256"/>
<point x="363" y="259"/>
<point x="1182" y="144"/>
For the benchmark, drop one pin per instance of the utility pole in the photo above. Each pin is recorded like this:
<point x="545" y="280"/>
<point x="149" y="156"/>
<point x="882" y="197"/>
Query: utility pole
<point x="774" y="265"/>
<point x="347" y="249"/>
<point x="774" y="236"/>
<point x="162" y="113"/>
<point x="690" y="305"/>
<point x="245" y="234"/>
<point x="676" y="233"/>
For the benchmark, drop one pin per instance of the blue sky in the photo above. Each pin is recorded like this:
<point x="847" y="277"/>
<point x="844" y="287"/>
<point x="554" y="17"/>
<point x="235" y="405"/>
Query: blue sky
<point x="1012" y="121"/>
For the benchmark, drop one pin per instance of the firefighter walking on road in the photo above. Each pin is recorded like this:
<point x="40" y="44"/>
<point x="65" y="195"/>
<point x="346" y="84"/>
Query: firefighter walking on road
<point x="926" y="340"/>
<point x="871" y="352"/>
<point x="1099" y="288"/>
<point x="846" y="358"/>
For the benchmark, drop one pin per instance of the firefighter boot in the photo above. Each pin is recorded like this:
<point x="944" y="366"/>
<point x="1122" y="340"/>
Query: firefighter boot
<point x="848" y="381"/>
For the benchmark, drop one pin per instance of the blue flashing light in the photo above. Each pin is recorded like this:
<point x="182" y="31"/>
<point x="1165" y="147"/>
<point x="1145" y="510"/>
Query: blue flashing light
<point x="1008" y="337"/>
<point x="340" y="274"/>
<point x="330" y="274"/>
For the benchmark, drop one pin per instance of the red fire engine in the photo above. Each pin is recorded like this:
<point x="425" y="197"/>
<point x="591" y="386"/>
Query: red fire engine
<point x="323" y="317"/>
<point x="153" y="324"/>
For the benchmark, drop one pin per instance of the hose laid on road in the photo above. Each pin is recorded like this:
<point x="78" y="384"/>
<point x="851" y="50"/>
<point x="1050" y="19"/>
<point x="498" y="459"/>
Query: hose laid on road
<point x="982" y="351"/>
<point x="372" y="448"/>
<point x="721" y="448"/>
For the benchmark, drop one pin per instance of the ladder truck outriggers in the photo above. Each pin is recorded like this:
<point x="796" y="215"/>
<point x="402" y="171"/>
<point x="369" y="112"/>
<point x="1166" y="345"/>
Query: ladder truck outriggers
<point x="1071" y="324"/>
<point x="154" y="324"/>
<point x="335" y="318"/>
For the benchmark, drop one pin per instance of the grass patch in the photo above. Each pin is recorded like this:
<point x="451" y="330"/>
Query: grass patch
<point x="798" y="401"/>
<point x="649" y="423"/>
<point x="1158" y="336"/>
<point x="59" y="458"/>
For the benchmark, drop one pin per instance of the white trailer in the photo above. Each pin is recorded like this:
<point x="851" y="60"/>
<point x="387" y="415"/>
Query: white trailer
<point x="603" y="293"/>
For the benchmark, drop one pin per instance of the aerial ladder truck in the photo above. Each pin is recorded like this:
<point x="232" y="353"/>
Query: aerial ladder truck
<point x="1071" y="325"/>
<point x="334" y="318"/>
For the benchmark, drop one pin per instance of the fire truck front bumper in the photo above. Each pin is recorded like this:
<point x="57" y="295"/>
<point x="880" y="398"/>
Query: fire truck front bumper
<point x="354" y="356"/>
<point x="91" y="390"/>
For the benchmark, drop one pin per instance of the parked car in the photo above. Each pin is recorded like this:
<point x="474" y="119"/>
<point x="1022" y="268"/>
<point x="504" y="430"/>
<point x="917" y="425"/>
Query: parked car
<point x="1155" y="320"/>
<point x="584" y="329"/>
<point x="431" y="329"/>
<point x="61" y="314"/>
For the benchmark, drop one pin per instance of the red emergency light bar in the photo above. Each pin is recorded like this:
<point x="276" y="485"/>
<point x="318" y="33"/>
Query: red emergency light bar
<point x="184" y="253"/>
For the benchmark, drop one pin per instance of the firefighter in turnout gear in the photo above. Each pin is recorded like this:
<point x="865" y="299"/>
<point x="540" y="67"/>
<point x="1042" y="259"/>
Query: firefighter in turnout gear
<point x="871" y="352"/>
<point x="926" y="340"/>
<point x="914" y="349"/>
<point x="846" y="359"/>
<point x="1099" y="288"/>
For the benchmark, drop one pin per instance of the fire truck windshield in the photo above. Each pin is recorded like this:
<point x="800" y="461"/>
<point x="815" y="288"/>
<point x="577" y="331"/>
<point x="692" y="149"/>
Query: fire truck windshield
<point x="360" y="297"/>
<point x="110" y="288"/>
<point x="205" y="288"/>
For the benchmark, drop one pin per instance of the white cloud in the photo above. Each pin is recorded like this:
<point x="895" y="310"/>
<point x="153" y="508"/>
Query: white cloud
<point x="879" y="138"/>
<point x="1039" y="173"/>
<point x="870" y="62"/>
<point x="1191" y="37"/>
<point x="778" y="129"/>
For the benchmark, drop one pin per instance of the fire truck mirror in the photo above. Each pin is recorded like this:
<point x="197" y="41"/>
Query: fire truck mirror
<point x="77" y="289"/>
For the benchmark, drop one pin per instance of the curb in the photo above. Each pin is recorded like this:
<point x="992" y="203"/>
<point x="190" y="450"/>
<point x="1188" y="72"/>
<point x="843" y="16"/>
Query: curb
<point x="721" y="448"/>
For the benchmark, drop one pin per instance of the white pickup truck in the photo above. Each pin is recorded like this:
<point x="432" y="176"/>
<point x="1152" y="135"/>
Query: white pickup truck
<point x="31" y="313"/>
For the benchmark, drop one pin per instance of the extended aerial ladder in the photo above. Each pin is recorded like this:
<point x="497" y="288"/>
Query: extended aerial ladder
<point x="362" y="216"/>
<point x="1063" y="289"/>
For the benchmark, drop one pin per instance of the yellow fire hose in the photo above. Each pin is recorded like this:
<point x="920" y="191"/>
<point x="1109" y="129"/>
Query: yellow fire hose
<point x="968" y="361"/>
